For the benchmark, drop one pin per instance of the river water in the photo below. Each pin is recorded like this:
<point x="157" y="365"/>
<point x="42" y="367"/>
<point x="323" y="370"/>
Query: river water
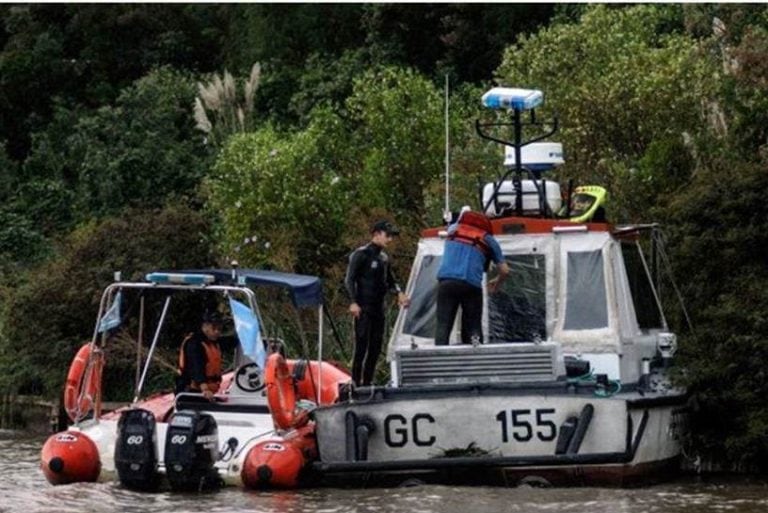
<point x="23" y="489"/>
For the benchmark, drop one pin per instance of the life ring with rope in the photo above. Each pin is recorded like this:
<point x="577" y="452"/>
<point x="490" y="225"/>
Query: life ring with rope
<point x="281" y="394"/>
<point x="83" y="383"/>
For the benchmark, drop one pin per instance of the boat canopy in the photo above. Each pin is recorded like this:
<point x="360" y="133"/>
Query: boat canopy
<point x="306" y="291"/>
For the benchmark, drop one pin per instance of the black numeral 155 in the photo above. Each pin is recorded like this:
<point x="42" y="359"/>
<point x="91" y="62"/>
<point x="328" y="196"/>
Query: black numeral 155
<point x="523" y="424"/>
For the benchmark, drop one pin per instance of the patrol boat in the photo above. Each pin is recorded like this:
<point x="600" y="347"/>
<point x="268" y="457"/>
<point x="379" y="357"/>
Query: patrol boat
<point x="571" y="385"/>
<point x="255" y="434"/>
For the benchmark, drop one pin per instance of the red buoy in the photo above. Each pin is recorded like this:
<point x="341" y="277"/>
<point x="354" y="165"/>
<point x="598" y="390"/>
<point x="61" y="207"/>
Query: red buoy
<point x="278" y="462"/>
<point x="70" y="457"/>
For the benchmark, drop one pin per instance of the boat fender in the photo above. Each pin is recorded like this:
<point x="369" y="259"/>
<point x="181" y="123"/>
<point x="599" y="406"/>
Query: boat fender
<point x="565" y="434"/>
<point x="281" y="394"/>
<point x="70" y="457"/>
<point x="585" y="417"/>
<point x="280" y="462"/>
<point x="357" y="431"/>
<point x="83" y="382"/>
<point x="362" y="433"/>
<point x="136" y="450"/>
<point x="350" y="439"/>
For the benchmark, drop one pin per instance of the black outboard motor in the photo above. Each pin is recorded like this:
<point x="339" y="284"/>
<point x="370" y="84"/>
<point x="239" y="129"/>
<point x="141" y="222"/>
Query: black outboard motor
<point x="136" y="450"/>
<point x="191" y="449"/>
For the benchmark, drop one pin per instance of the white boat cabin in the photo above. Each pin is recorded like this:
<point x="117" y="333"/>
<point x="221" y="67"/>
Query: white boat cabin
<point x="568" y="296"/>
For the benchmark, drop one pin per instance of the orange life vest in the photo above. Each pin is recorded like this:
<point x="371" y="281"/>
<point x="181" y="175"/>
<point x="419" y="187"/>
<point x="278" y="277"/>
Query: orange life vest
<point x="472" y="229"/>
<point x="212" y="364"/>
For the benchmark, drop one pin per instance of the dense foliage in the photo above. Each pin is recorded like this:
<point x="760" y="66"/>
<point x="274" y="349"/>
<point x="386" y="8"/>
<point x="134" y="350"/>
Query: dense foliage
<point x="137" y="136"/>
<point x="50" y="315"/>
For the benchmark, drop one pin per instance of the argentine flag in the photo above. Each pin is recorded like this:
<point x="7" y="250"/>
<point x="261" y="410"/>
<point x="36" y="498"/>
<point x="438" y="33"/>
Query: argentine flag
<point x="247" y="327"/>
<point x="111" y="318"/>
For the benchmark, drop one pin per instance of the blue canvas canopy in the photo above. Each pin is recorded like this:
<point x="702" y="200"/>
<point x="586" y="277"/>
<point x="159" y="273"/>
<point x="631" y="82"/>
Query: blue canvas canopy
<point x="306" y="291"/>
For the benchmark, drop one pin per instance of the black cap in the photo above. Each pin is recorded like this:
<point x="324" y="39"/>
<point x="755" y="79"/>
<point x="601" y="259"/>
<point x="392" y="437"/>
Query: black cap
<point x="385" y="226"/>
<point x="213" y="317"/>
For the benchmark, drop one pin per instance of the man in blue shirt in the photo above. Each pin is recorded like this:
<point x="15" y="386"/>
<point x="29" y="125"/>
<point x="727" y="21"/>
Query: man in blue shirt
<point x="468" y="251"/>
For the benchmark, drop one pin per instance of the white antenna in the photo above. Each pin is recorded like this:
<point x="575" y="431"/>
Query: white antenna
<point x="447" y="210"/>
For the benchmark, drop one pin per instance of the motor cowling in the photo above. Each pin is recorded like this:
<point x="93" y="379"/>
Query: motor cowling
<point x="70" y="457"/>
<point x="191" y="450"/>
<point x="136" y="450"/>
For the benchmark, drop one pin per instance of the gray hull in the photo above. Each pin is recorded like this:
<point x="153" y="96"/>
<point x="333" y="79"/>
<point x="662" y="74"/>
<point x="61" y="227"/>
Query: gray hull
<point x="495" y="433"/>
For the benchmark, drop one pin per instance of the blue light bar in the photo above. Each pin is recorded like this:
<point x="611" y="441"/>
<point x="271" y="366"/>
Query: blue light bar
<point x="181" y="278"/>
<point x="512" y="98"/>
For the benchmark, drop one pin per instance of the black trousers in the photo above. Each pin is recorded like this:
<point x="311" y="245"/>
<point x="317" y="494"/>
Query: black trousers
<point x="369" y="336"/>
<point x="450" y="295"/>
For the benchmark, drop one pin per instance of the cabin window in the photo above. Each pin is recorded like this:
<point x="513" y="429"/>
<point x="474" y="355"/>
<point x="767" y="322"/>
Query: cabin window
<point x="517" y="313"/>
<point x="646" y="308"/>
<point x="586" y="306"/>
<point x="420" y="320"/>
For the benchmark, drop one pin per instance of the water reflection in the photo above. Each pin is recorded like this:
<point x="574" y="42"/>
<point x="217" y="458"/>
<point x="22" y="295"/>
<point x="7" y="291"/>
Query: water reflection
<point x="23" y="489"/>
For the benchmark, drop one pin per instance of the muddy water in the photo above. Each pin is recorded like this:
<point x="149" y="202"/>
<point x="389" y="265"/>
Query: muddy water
<point x="23" y="489"/>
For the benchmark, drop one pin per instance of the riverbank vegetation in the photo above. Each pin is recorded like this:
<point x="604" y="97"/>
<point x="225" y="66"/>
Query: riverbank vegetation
<point x="145" y="136"/>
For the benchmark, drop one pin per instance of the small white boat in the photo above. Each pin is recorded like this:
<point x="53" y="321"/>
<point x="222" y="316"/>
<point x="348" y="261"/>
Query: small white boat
<point x="184" y="441"/>
<point x="572" y="385"/>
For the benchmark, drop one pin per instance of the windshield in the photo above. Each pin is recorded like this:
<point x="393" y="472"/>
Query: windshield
<point x="517" y="312"/>
<point x="420" y="319"/>
<point x="647" y="310"/>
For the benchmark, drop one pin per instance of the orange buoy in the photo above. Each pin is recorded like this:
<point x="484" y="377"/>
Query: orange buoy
<point x="83" y="383"/>
<point x="70" y="457"/>
<point x="280" y="462"/>
<point x="281" y="394"/>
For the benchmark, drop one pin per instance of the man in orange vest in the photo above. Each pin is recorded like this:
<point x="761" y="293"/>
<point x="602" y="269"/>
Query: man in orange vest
<point x="468" y="252"/>
<point x="200" y="358"/>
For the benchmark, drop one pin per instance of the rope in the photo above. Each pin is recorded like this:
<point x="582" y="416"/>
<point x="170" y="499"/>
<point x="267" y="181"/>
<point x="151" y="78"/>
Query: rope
<point x="659" y="238"/>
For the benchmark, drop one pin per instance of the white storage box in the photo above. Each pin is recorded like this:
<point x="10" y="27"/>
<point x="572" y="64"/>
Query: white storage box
<point x="506" y="197"/>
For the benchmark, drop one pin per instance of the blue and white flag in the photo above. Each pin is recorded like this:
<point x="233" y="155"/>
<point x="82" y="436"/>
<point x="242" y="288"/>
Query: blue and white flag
<point x="247" y="327"/>
<point x="111" y="318"/>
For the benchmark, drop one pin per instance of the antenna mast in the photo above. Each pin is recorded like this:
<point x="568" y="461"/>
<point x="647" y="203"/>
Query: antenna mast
<point x="447" y="210"/>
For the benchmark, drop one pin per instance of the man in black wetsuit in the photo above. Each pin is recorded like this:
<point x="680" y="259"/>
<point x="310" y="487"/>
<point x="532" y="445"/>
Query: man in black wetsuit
<point x="369" y="278"/>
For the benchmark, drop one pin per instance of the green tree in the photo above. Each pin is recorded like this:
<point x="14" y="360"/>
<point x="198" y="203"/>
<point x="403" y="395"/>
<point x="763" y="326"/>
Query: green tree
<point x="719" y="232"/>
<point x="397" y="130"/>
<point x="327" y="80"/>
<point x="86" y="54"/>
<point x="447" y="38"/>
<point x="279" y="198"/>
<point x="624" y="82"/>
<point x="7" y="174"/>
<point x="142" y="151"/>
<point x="718" y="227"/>
<point x="282" y="37"/>
<point x="46" y="318"/>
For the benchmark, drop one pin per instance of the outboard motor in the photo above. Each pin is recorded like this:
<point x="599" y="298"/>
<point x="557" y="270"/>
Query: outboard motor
<point x="136" y="450"/>
<point x="191" y="450"/>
